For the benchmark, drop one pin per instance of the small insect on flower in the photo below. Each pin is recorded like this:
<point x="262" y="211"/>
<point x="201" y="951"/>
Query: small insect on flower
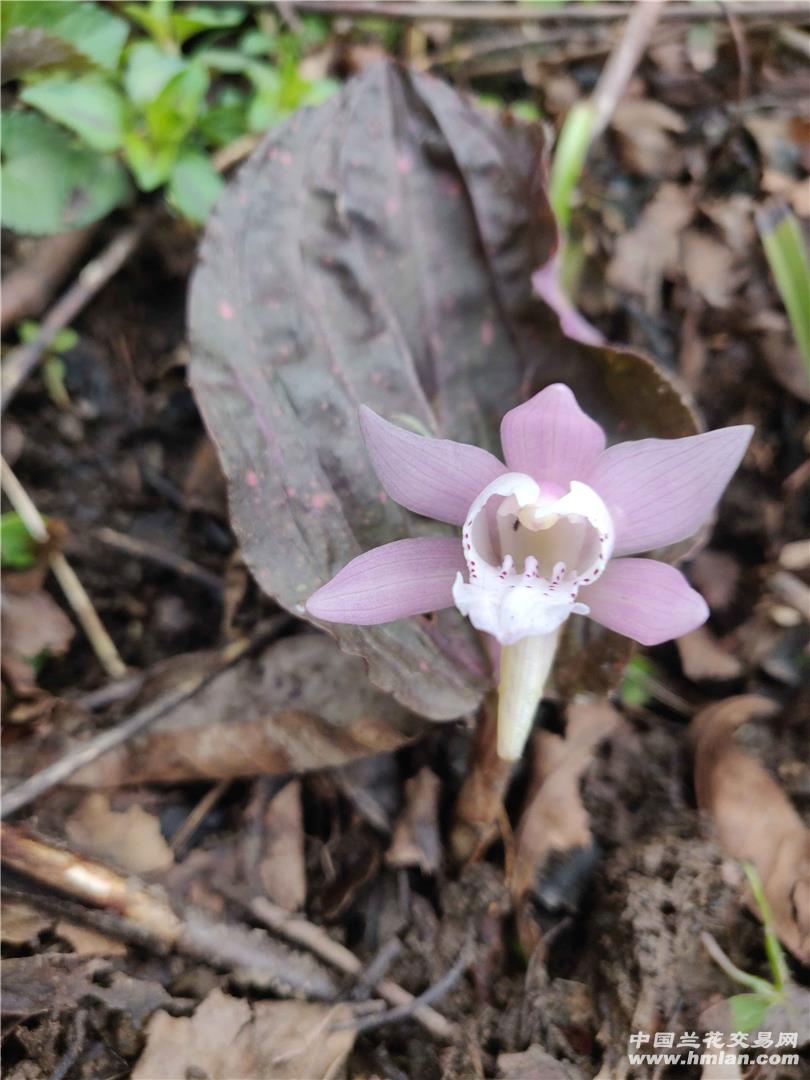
<point x="544" y="537"/>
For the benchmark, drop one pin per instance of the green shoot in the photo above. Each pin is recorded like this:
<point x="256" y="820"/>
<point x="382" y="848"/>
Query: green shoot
<point x="786" y="252"/>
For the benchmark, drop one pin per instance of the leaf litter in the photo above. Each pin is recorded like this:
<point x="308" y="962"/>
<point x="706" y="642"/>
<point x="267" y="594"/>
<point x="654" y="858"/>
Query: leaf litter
<point x="358" y="799"/>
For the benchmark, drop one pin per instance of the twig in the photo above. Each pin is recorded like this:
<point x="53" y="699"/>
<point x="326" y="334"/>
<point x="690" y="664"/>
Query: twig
<point x="198" y="815"/>
<point x="111" y="692"/>
<point x="405" y="1012"/>
<point x="29" y="287"/>
<point x="475" y="11"/>
<point x="376" y="969"/>
<point x="87" y="752"/>
<point x="21" y="361"/>
<point x="143" y="549"/>
<point x="253" y="955"/>
<point x="622" y="63"/>
<point x="301" y="931"/>
<point x="743" y="56"/>
<point x="74" y="591"/>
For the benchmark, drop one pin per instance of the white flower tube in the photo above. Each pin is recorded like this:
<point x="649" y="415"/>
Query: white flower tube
<point x="525" y="667"/>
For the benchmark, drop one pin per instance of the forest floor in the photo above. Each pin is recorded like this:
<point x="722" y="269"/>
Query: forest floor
<point x="163" y="874"/>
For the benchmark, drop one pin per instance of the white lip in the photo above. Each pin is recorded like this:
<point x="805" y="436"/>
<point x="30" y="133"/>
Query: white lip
<point x="526" y="565"/>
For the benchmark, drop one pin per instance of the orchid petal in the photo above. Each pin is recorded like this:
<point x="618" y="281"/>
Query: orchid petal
<point x="551" y="438"/>
<point x="660" y="491"/>
<point x="407" y="577"/>
<point x="646" y="600"/>
<point x="434" y="477"/>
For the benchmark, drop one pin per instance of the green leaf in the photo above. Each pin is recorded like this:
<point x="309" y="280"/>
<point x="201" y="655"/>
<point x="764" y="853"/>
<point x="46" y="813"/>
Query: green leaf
<point x="65" y="340"/>
<point x="150" y="164"/>
<point x="49" y="183"/>
<point x="257" y="43"/>
<point x="634" y="690"/>
<point x="229" y="61"/>
<point x="785" y="249"/>
<point x="45" y="33"/>
<point x="188" y="21"/>
<point x="148" y="70"/>
<point x="227" y="120"/>
<point x="18" y="551"/>
<point x="748" y="1011"/>
<point x="155" y="18"/>
<point x="90" y="106"/>
<point x="194" y="187"/>
<point x="174" y="111"/>
<point x="569" y="158"/>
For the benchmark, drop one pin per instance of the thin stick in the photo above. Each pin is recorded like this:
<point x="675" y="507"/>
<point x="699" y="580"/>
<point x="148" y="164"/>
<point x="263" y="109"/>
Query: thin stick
<point x="459" y="11"/>
<point x="406" y="1012"/>
<point x="143" y="549"/>
<point x="198" y="815"/>
<point x="75" y="593"/>
<point x="29" y="288"/>
<point x="21" y="361"/>
<point x="301" y="931"/>
<point x="622" y="63"/>
<point x="87" y="752"/>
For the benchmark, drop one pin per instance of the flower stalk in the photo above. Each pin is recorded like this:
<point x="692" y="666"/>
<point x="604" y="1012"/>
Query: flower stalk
<point x="525" y="667"/>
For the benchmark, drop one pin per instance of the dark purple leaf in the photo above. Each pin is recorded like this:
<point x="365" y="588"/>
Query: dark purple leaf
<point x="379" y="250"/>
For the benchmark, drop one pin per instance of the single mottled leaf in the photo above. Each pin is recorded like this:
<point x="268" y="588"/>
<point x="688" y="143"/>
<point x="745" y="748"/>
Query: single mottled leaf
<point x="49" y="183"/>
<point x="47" y="33"/>
<point x="90" y="106"/>
<point x="379" y="250"/>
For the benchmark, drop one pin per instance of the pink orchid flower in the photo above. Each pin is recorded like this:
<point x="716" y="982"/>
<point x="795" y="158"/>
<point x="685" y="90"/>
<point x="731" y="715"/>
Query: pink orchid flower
<point x="544" y="537"/>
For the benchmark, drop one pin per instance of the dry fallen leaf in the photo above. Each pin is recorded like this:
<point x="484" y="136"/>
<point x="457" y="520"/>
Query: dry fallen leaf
<point x="645" y="128"/>
<point x="301" y="704"/>
<point x="131" y="838"/>
<point x="33" y="624"/>
<point x="652" y="250"/>
<point x="752" y="817"/>
<point x="20" y="923"/>
<point x="229" y="1037"/>
<point x="88" y="942"/>
<point x="535" y="1064"/>
<point x="282" y="868"/>
<point x="554" y="820"/>
<point x="704" y="659"/>
<point x="710" y="268"/>
<point x="417" y="841"/>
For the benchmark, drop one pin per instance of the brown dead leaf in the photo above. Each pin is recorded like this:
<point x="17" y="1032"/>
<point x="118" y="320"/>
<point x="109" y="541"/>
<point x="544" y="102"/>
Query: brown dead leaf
<point x="88" y="942"/>
<point x="282" y="868"/>
<point x="652" y="250"/>
<point x="554" y="821"/>
<point x="20" y="923"/>
<point x="710" y="268"/>
<point x="132" y="838"/>
<point x="752" y="817"/>
<point x="704" y="659"/>
<point x="204" y="487"/>
<point x="32" y="624"/>
<point x="228" y="1037"/>
<point x="716" y="574"/>
<point x="301" y="704"/>
<point x="645" y="128"/>
<point x="416" y="839"/>
<point x="536" y="1064"/>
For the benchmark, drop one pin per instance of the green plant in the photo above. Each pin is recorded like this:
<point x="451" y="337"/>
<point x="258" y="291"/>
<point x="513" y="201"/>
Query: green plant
<point x="53" y="366"/>
<point x="750" y="1010"/>
<point x="145" y="97"/>
<point x="785" y="249"/>
<point x="18" y="550"/>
